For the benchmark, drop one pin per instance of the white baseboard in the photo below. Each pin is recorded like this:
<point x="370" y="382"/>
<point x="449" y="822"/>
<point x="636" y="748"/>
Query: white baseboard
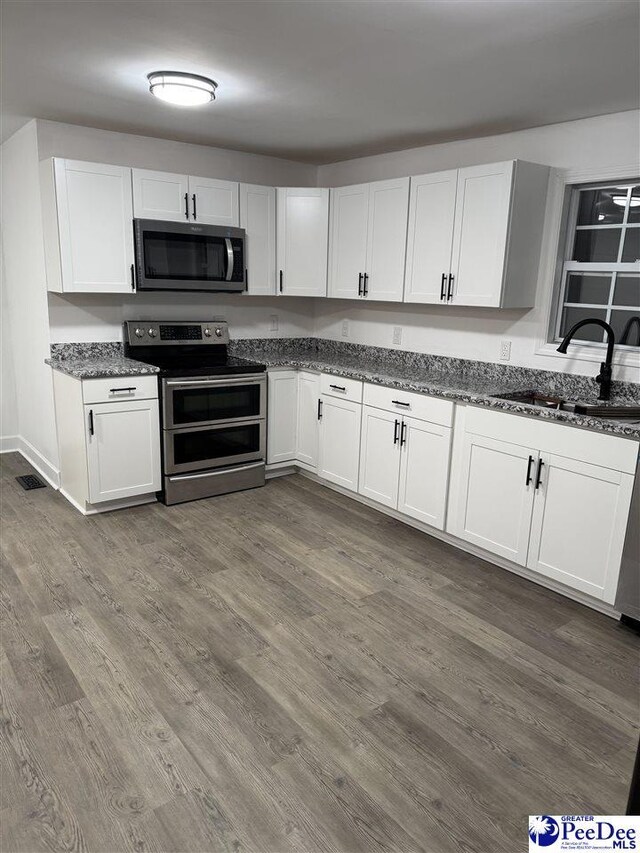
<point x="18" y="444"/>
<point x="109" y="506"/>
<point x="9" y="443"/>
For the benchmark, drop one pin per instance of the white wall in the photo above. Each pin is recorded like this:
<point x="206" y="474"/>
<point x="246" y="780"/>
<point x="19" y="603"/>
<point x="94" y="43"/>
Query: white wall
<point x="99" y="318"/>
<point x="8" y="400"/>
<point x="601" y="144"/>
<point x="26" y="292"/>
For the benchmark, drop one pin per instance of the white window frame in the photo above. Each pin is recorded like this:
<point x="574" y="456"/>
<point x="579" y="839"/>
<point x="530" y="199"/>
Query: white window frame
<point x="550" y="279"/>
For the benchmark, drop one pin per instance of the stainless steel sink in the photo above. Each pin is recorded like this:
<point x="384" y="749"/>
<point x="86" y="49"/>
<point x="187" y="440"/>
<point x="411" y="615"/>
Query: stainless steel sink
<point x="593" y="410"/>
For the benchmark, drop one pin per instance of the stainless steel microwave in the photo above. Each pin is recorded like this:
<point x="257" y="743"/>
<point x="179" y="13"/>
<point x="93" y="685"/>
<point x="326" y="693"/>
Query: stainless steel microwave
<point x="189" y="256"/>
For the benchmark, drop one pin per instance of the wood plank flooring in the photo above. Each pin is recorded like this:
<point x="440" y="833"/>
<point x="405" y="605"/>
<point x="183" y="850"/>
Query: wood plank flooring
<point x="287" y="670"/>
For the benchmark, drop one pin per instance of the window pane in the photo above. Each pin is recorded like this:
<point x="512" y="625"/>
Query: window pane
<point x="631" y="250"/>
<point x="599" y="246"/>
<point x="602" y="207"/>
<point x="626" y="325"/>
<point x="587" y="333"/>
<point x="634" y="210"/>
<point x="627" y="290"/>
<point x="592" y="289"/>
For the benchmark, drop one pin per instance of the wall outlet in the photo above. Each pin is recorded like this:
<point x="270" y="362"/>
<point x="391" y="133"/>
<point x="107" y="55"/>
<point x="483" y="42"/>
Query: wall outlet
<point x="397" y="335"/>
<point x="274" y="322"/>
<point x="345" y="328"/>
<point x="505" y="350"/>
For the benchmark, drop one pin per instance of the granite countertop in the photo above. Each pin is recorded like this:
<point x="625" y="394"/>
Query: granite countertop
<point x="96" y="367"/>
<point x="459" y="380"/>
<point x="474" y="389"/>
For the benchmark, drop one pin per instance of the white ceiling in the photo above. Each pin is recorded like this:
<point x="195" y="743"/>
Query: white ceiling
<point x="320" y="80"/>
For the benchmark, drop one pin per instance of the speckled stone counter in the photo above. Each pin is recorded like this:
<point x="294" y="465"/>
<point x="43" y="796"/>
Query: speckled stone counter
<point x="96" y="360"/>
<point x="461" y="380"/>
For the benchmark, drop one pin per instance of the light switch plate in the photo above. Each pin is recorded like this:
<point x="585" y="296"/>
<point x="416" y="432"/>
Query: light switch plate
<point x="397" y="335"/>
<point x="345" y="328"/>
<point x="505" y="350"/>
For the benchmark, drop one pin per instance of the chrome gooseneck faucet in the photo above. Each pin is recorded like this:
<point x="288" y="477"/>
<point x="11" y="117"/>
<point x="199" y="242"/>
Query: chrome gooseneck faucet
<point x="604" y="377"/>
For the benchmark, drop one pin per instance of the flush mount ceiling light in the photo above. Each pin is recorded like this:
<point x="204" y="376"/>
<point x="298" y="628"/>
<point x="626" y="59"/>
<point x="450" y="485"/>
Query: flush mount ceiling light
<point x="181" y="89"/>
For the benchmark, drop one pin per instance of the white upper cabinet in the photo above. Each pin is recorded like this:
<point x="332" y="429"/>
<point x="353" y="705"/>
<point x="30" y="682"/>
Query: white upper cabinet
<point x="160" y="195"/>
<point x="475" y="235"/>
<point x="302" y="241"/>
<point x="368" y="240"/>
<point x="432" y="208"/>
<point x="480" y="233"/>
<point x="258" y="218"/>
<point x="183" y="198"/>
<point x="88" y="227"/>
<point x="386" y="239"/>
<point x="349" y="222"/>
<point x="213" y="202"/>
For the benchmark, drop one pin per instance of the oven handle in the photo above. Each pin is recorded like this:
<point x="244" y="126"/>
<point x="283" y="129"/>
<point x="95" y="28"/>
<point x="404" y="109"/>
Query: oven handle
<point x="247" y="379"/>
<point x="229" y="258"/>
<point x="226" y="470"/>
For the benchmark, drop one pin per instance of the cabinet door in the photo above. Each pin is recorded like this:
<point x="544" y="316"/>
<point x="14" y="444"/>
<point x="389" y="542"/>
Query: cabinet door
<point x="387" y="239"/>
<point x="258" y="218"/>
<point x="495" y="501"/>
<point x="432" y="206"/>
<point x="424" y="471"/>
<point x="340" y="442"/>
<point x="95" y="226"/>
<point x="282" y="408"/>
<point x="123" y="449"/>
<point x="160" y="195"/>
<point x="308" y="424"/>
<point x="214" y="202"/>
<point x="480" y="233"/>
<point x="380" y="456"/>
<point x="303" y="232"/>
<point x="349" y="217"/>
<point x="579" y="521"/>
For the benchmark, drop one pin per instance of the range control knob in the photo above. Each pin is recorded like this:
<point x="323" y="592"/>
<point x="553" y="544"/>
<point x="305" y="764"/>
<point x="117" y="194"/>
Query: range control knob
<point x="218" y="332"/>
<point x="139" y="333"/>
<point x="152" y="333"/>
<point x="207" y="332"/>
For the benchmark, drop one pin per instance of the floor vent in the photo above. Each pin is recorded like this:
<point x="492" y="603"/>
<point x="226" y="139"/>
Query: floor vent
<point x="30" y="481"/>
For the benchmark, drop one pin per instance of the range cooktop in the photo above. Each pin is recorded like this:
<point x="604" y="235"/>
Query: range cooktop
<point x="185" y="348"/>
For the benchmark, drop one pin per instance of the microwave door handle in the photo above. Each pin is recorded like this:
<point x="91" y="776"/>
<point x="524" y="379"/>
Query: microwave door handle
<point x="229" y="258"/>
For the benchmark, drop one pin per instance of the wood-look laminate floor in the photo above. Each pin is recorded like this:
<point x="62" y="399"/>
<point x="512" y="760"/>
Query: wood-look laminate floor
<point x="287" y="670"/>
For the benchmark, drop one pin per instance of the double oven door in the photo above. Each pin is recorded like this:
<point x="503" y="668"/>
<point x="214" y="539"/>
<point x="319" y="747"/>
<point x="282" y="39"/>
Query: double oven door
<point x="213" y="422"/>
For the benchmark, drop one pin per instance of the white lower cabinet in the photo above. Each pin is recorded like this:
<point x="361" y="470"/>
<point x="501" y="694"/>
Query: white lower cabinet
<point x="404" y="464"/>
<point x="494" y="508"/>
<point x="549" y="497"/>
<point x="339" y="441"/>
<point x="578" y="526"/>
<point x="308" y="421"/>
<point x="282" y="406"/>
<point x="123" y="449"/>
<point x="108" y="440"/>
<point x="424" y="471"/>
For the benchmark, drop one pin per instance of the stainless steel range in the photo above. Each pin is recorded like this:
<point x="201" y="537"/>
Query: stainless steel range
<point x="213" y="408"/>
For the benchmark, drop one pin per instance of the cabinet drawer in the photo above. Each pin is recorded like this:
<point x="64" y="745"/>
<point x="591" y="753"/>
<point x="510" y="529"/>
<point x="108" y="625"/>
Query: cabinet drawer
<point x="420" y="406"/>
<point x="340" y="386"/>
<point x="113" y="388"/>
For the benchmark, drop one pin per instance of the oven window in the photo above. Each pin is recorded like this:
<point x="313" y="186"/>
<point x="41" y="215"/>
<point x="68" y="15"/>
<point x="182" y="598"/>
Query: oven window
<point x="230" y="402"/>
<point x="204" y="445"/>
<point x="184" y="257"/>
